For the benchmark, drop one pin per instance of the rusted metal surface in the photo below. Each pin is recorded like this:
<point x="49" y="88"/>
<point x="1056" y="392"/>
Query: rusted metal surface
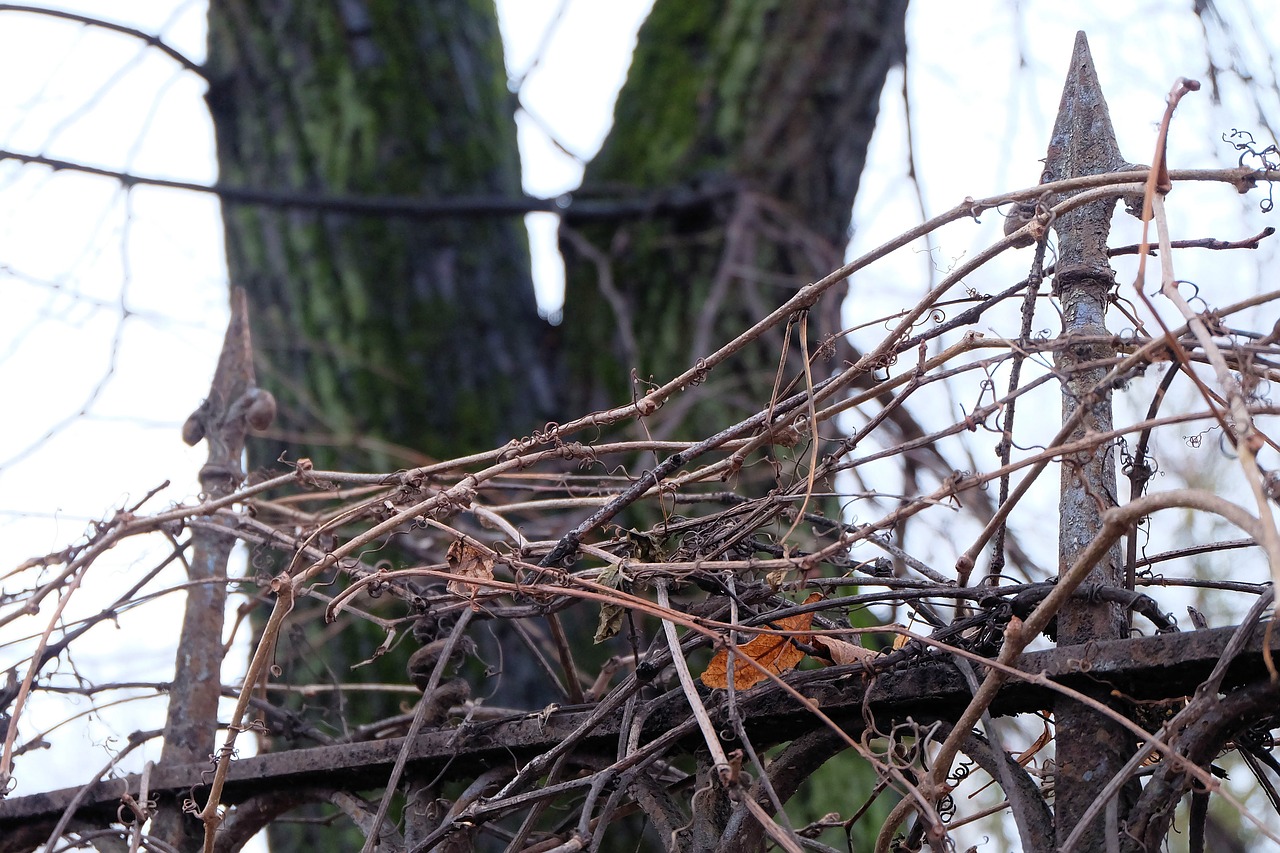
<point x="233" y="406"/>
<point x="1158" y="667"/>
<point x="1090" y="750"/>
<point x="1084" y="143"/>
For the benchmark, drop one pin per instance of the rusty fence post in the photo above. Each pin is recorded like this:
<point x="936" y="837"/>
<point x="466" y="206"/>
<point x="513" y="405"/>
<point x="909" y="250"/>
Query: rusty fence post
<point x="234" y="405"/>
<point x="1090" y="749"/>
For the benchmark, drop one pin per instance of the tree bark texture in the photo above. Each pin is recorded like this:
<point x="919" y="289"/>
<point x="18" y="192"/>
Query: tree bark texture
<point x="378" y="333"/>
<point x="760" y="112"/>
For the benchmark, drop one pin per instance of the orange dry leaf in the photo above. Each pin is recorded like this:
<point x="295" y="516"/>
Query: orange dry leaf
<point x="468" y="561"/>
<point x="775" y="652"/>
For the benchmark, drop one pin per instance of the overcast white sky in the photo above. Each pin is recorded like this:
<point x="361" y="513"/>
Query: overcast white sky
<point x="76" y="252"/>
<point x="114" y="302"/>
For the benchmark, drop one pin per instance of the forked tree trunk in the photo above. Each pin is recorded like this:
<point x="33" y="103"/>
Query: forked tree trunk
<point x="751" y="121"/>
<point x="385" y="339"/>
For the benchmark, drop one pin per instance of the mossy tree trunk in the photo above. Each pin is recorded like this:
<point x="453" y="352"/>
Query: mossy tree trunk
<point x="760" y="112"/>
<point x="378" y="332"/>
<point x="386" y="340"/>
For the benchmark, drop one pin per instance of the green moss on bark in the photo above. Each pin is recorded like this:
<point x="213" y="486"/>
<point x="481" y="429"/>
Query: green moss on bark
<point x="424" y="335"/>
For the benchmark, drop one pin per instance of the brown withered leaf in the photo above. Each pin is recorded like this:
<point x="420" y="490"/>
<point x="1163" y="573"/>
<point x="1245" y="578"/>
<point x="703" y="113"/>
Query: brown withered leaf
<point x="610" y="614"/>
<point x="775" y="652"/>
<point x="468" y="561"/>
<point x="1046" y="737"/>
<point x="842" y="652"/>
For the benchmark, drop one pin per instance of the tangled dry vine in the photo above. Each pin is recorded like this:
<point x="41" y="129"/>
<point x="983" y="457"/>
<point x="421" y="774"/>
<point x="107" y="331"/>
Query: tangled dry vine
<point x="670" y="552"/>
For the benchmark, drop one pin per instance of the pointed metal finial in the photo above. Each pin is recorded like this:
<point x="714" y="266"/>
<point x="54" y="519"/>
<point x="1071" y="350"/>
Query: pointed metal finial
<point x="1083" y="143"/>
<point x="1090" y="750"/>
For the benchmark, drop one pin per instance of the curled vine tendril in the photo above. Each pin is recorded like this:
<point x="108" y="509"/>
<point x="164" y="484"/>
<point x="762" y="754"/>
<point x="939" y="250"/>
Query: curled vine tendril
<point x="1264" y="158"/>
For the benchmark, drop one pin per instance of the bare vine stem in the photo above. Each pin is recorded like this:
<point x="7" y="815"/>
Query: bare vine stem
<point x="1116" y="522"/>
